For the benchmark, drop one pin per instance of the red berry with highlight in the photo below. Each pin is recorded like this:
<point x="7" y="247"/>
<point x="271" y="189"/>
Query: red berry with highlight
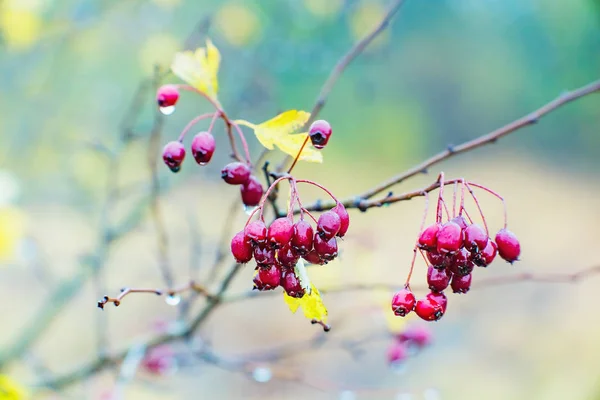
<point x="264" y="256"/>
<point x="403" y="302"/>
<point x="440" y="298"/>
<point x="326" y="249"/>
<point x="319" y="133"/>
<point x="428" y="238"/>
<point x="241" y="248"/>
<point x="461" y="263"/>
<point x="302" y="240"/>
<point x="461" y="284"/>
<point x="252" y="192"/>
<point x="256" y="233"/>
<point x="267" y="278"/>
<point x="438" y="279"/>
<point x="449" y="238"/>
<point x="314" y="258"/>
<point x="460" y="221"/>
<point x="287" y="256"/>
<point x="328" y="225"/>
<point x="291" y="284"/>
<point x="280" y="232"/>
<point x="203" y="147"/>
<point x="236" y="173"/>
<point x="438" y="260"/>
<point x="487" y="255"/>
<point x="429" y="309"/>
<point x="475" y="238"/>
<point x="167" y="96"/>
<point x="509" y="247"/>
<point x="173" y="155"/>
<point x="341" y="211"/>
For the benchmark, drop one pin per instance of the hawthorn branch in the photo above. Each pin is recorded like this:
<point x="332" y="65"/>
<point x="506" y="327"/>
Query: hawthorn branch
<point x="362" y="202"/>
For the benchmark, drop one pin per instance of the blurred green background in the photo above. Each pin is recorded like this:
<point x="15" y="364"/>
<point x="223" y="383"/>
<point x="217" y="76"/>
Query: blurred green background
<point x="443" y="73"/>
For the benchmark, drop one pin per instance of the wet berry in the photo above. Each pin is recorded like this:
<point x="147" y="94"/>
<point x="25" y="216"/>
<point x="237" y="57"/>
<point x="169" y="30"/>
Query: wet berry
<point x="428" y="238"/>
<point x="449" y="238"/>
<point x="167" y="96"/>
<point x="509" y="247"/>
<point x="236" y="173"/>
<point x="460" y="221"/>
<point x="319" y="133"/>
<point x="397" y="353"/>
<point x="302" y="240"/>
<point x="403" y="302"/>
<point x="439" y="298"/>
<point x="287" y="256"/>
<point x="487" y="255"/>
<point x="416" y="335"/>
<point x="326" y="249"/>
<point x="438" y="279"/>
<point x="461" y="284"/>
<point x="256" y="233"/>
<point x="328" y="225"/>
<point x="241" y="248"/>
<point x="267" y="278"/>
<point x="438" y="260"/>
<point x="341" y="211"/>
<point x="460" y="262"/>
<point x="264" y="256"/>
<point x="291" y="284"/>
<point x="475" y="238"/>
<point x="252" y="192"/>
<point x="280" y="232"/>
<point x="173" y="155"/>
<point x="203" y="147"/>
<point x="314" y="258"/>
<point x="429" y="309"/>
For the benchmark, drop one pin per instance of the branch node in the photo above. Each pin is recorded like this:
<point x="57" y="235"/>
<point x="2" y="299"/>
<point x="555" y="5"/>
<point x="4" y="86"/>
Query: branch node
<point x="318" y="205"/>
<point x="361" y="204"/>
<point x="451" y="149"/>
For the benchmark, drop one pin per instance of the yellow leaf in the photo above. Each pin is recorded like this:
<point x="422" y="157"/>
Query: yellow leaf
<point x="280" y="132"/>
<point x="11" y="390"/>
<point x="199" y="68"/>
<point x="311" y="303"/>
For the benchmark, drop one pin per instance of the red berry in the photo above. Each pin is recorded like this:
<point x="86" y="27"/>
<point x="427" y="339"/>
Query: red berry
<point x="417" y="335"/>
<point x="236" y="173"/>
<point x="287" y="256"/>
<point x="341" y="211"/>
<point x="280" y="232"/>
<point x="461" y="284"/>
<point x="460" y="221"/>
<point x="167" y="95"/>
<point x="475" y="238"/>
<point x="438" y="279"/>
<point x="268" y="278"/>
<point x="291" y="284"/>
<point x="314" y="258"/>
<point x="439" y="298"/>
<point x="509" y="247"/>
<point x="438" y="260"/>
<point x="403" y="302"/>
<point x="264" y="256"/>
<point x="326" y="249"/>
<point x="160" y="360"/>
<point x="397" y="353"/>
<point x="449" y="238"/>
<point x="487" y="255"/>
<point x="429" y="309"/>
<point x="241" y="248"/>
<point x="319" y="132"/>
<point x="256" y="232"/>
<point x="252" y="192"/>
<point x="173" y="155"/>
<point x="203" y="147"/>
<point x="302" y="240"/>
<point x="461" y="262"/>
<point x="329" y="225"/>
<point x="428" y="238"/>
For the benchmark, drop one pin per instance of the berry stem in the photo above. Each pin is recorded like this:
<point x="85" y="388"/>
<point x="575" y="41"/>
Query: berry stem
<point x="320" y="187"/>
<point x="454" y="200"/>
<point x="261" y="205"/>
<point x="479" y="208"/>
<point x="438" y="215"/>
<point x="243" y="140"/>
<point x="490" y="191"/>
<point x="423" y="220"/>
<point x="462" y="197"/>
<point x="212" y="122"/>
<point x="289" y="171"/>
<point x="194" y="122"/>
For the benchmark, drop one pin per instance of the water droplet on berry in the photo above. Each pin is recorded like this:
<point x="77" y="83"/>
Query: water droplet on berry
<point x="249" y="209"/>
<point x="173" y="299"/>
<point x="167" y="110"/>
<point x="262" y="374"/>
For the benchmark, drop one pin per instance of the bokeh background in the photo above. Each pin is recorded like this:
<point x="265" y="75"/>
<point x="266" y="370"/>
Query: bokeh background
<point x="444" y="72"/>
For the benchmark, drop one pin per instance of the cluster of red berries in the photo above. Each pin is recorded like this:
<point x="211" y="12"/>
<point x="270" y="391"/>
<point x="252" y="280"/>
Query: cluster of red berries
<point x="278" y="247"/>
<point x="451" y="251"/>
<point x="411" y="339"/>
